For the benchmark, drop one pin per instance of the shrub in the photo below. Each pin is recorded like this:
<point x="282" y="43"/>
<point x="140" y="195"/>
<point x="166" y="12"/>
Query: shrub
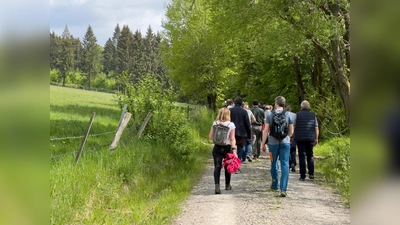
<point x="167" y="125"/>
<point x="336" y="164"/>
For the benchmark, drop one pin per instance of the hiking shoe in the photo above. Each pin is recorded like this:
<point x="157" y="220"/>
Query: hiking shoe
<point x="228" y="187"/>
<point x="301" y="179"/>
<point x="293" y="167"/>
<point x="274" y="190"/>
<point x="311" y="177"/>
<point x="282" y="194"/>
<point x="238" y="171"/>
<point x="217" y="189"/>
<point x="249" y="158"/>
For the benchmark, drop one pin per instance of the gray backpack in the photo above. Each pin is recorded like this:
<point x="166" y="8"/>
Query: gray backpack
<point x="221" y="133"/>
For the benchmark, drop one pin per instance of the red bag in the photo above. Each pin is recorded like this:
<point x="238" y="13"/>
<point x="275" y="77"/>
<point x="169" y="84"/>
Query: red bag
<point x="231" y="162"/>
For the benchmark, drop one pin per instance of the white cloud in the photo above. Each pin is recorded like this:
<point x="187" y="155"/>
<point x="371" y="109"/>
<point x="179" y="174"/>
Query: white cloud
<point x="103" y="16"/>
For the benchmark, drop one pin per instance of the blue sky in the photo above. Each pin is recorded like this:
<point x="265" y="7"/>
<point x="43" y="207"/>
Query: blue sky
<point x="103" y="16"/>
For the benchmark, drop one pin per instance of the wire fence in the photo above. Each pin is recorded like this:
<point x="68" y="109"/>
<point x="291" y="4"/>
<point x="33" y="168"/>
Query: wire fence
<point x="92" y="135"/>
<point x="335" y="133"/>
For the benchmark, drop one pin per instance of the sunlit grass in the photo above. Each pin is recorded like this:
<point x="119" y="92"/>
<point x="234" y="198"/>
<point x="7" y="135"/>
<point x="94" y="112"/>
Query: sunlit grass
<point x="135" y="184"/>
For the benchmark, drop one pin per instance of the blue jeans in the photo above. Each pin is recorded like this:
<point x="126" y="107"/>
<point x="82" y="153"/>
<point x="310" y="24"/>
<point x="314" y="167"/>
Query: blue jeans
<point x="241" y="152"/>
<point x="248" y="148"/>
<point x="283" y="150"/>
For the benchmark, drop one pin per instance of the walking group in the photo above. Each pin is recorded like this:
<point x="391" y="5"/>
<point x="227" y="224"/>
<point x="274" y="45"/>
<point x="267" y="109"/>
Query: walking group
<point x="245" y="132"/>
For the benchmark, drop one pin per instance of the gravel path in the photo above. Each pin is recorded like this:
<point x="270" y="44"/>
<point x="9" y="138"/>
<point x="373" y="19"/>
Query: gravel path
<point x="251" y="202"/>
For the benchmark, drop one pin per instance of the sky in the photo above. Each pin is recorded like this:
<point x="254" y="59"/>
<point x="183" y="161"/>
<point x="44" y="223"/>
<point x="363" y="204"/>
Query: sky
<point x="103" y="16"/>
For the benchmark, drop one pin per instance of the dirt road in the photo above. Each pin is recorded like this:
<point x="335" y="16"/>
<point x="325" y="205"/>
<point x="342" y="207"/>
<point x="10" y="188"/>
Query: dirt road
<point x="251" y="202"/>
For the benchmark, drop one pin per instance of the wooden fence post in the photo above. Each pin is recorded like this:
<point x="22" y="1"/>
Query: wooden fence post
<point x="121" y="129"/>
<point x="122" y="115"/>
<point x="144" y="125"/>
<point x="187" y="113"/>
<point x="132" y="129"/>
<point x="84" y="138"/>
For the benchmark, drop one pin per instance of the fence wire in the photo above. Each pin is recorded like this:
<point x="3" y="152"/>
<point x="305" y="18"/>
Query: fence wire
<point x="90" y="135"/>
<point x="91" y="149"/>
<point x="334" y="133"/>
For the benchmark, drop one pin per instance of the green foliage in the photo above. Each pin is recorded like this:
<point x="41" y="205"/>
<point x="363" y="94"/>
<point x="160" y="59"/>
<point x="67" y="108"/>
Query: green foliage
<point x="141" y="182"/>
<point x="335" y="164"/>
<point x="168" y="124"/>
<point x="54" y="77"/>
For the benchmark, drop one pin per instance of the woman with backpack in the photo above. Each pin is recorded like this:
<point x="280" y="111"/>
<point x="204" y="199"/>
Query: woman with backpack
<point x="223" y="135"/>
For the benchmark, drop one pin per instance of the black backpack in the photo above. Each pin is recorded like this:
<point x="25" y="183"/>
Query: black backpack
<point x="279" y="126"/>
<point x="221" y="133"/>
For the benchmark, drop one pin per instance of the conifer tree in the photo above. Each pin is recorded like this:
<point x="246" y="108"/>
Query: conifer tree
<point x="91" y="52"/>
<point x="66" y="54"/>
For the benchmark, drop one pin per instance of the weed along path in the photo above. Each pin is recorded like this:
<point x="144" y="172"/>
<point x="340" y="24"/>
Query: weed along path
<point x="251" y="202"/>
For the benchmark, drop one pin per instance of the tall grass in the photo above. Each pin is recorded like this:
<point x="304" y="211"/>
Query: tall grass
<point x="138" y="183"/>
<point x="335" y="164"/>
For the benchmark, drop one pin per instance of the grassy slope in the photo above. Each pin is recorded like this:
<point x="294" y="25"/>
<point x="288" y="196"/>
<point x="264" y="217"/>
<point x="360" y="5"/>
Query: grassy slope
<point x="137" y="183"/>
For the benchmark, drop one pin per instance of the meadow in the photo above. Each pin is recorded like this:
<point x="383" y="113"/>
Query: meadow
<point x="138" y="183"/>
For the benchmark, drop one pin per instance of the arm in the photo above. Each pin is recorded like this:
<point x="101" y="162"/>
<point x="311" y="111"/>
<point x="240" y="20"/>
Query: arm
<point x="316" y="136"/>
<point x="264" y="137"/>
<point x="233" y="142"/>
<point x="253" y="119"/>
<point x="211" y="134"/>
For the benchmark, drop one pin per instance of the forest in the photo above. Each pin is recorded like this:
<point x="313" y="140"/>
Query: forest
<point x="212" y="50"/>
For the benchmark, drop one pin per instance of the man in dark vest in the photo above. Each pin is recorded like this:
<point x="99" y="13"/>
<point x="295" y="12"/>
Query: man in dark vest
<point x="306" y="129"/>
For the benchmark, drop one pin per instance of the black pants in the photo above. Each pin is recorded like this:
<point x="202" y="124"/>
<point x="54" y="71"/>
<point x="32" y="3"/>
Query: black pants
<point x="306" y="150"/>
<point x="292" y="158"/>
<point x="219" y="153"/>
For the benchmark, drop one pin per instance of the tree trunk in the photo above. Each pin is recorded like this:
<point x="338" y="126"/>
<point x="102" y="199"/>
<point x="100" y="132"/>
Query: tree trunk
<point x="338" y="74"/>
<point x="211" y="99"/>
<point x="299" y="81"/>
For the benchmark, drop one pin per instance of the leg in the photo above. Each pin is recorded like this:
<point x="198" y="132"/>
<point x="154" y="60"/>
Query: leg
<point x="241" y="152"/>
<point x="292" y="158"/>
<point x="284" y="152"/>
<point x="302" y="158"/>
<point x="217" y="165"/>
<point x="258" y="140"/>
<point x="248" y="150"/>
<point x="310" y="159"/>
<point x="273" y="149"/>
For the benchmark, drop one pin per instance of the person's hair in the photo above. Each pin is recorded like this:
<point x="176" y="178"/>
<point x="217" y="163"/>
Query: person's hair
<point x="245" y="104"/>
<point x="288" y="107"/>
<point x="224" y="114"/>
<point x="238" y="101"/>
<point x="280" y="101"/>
<point x="255" y="102"/>
<point x="229" y="101"/>
<point x="305" y="104"/>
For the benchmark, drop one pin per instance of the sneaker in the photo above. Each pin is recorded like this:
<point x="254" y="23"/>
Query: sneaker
<point x="274" y="190"/>
<point x="238" y="171"/>
<point x="311" y="177"/>
<point x="282" y="194"/>
<point x="217" y="189"/>
<point x="293" y="167"/>
<point x="249" y="158"/>
<point x="301" y="179"/>
<point x="228" y="187"/>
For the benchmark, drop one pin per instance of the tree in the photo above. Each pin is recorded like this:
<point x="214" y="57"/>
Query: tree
<point x="108" y="56"/>
<point x="115" y="39"/>
<point x="55" y="42"/>
<point x="66" y="54"/>
<point x="91" y="52"/>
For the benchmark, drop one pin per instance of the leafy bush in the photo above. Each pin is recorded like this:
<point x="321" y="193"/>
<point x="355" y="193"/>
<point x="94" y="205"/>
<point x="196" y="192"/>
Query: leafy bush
<point x="54" y="77"/>
<point x="336" y="164"/>
<point x="168" y="124"/>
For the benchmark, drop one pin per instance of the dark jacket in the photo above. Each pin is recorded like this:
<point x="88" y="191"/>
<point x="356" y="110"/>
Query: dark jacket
<point x="240" y="118"/>
<point x="259" y="114"/>
<point x="305" y="126"/>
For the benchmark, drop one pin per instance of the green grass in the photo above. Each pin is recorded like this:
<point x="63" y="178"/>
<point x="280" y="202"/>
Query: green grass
<point x="135" y="184"/>
<point x="334" y="163"/>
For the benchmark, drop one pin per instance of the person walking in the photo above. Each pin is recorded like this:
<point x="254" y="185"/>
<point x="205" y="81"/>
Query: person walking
<point x="256" y="128"/>
<point x="219" y="152"/>
<point x="277" y="146"/>
<point x="240" y="118"/>
<point x="306" y="130"/>
<point x="292" y="157"/>
<point x="249" y="143"/>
